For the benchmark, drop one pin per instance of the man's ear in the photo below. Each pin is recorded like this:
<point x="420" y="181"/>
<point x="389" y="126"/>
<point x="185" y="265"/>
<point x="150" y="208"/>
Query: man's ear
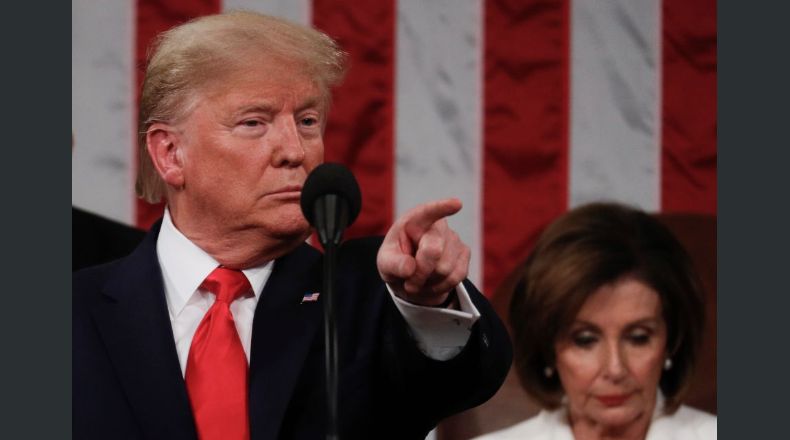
<point x="163" y="144"/>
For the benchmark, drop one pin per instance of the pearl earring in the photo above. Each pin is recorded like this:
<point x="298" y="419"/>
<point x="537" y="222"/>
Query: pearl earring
<point x="667" y="363"/>
<point x="548" y="372"/>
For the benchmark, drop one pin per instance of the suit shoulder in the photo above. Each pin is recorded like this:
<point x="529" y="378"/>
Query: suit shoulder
<point x="686" y="423"/>
<point x="534" y="428"/>
<point x="704" y="424"/>
<point x="87" y="283"/>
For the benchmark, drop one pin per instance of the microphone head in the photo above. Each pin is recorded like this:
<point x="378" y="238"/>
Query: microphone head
<point x="331" y="178"/>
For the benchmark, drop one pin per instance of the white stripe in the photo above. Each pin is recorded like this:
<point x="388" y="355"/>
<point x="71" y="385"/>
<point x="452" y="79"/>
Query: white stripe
<point x="102" y="107"/>
<point x="615" y="92"/>
<point x="658" y="103"/>
<point x="299" y="11"/>
<point x="438" y="121"/>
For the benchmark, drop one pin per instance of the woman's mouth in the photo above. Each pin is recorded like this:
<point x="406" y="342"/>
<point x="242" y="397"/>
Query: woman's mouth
<point x="613" y="399"/>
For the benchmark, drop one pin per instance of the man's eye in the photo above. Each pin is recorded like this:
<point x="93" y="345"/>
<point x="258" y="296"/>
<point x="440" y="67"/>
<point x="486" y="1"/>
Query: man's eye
<point x="251" y="123"/>
<point x="309" y="122"/>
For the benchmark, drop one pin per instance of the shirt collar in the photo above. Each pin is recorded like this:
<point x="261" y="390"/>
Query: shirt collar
<point x="658" y="410"/>
<point x="185" y="266"/>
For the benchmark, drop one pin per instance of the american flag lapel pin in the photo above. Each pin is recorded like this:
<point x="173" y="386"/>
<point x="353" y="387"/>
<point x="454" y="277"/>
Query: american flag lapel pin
<point x="310" y="297"/>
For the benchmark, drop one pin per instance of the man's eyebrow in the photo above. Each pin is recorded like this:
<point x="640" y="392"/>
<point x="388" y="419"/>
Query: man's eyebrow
<point x="263" y="107"/>
<point x="266" y="107"/>
<point x="311" y="102"/>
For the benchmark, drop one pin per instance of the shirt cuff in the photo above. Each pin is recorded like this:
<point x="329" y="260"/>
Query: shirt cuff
<point x="440" y="333"/>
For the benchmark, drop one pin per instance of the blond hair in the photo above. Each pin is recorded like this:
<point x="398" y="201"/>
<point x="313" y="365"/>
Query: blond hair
<point x="186" y="58"/>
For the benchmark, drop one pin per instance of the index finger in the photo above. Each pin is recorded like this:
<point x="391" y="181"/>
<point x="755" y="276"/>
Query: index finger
<point x="420" y="219"/>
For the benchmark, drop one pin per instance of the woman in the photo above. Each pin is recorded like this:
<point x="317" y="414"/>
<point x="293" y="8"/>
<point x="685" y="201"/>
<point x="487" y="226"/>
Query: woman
<point x="607" y="319"/>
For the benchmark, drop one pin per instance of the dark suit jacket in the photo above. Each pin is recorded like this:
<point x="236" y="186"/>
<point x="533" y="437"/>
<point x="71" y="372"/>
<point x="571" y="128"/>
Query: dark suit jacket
<point x="127" y="383"/>
<point x="96" y="240"/>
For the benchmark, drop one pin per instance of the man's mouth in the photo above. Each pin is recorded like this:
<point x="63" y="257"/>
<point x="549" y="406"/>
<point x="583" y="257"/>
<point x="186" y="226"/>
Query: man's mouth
<point x="286" y="192"/>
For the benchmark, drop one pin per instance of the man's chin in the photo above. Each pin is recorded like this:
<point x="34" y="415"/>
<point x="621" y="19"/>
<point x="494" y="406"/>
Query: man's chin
<point x="291" y="231"/>
<point x="293" y="235"/>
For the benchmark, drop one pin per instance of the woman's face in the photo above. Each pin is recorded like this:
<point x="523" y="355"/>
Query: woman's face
<point x="610" y="360"/>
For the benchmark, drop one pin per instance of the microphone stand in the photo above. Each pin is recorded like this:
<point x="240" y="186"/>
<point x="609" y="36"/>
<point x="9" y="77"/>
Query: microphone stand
<point x="331" y="219"/>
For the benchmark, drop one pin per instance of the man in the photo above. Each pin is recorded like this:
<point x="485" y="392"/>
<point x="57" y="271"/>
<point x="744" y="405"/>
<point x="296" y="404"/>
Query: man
<point x="211" y="328"/>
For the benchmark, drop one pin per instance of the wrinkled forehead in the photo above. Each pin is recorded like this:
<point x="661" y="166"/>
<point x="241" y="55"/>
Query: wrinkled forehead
<point x="267" y="74"/>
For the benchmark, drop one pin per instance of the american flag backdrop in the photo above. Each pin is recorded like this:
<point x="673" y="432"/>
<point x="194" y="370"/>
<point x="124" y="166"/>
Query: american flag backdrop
<point x="520" y="108"/>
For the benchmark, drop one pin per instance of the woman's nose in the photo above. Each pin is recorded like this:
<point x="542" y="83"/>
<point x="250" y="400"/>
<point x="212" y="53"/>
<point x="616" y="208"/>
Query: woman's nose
<point x="614" y="363"/>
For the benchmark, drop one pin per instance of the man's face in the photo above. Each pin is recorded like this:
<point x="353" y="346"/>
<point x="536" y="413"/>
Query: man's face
<point x="247" y="148"/>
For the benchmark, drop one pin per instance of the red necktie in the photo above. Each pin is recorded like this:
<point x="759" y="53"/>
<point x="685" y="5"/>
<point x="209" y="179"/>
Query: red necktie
<point x="216" y="374"/>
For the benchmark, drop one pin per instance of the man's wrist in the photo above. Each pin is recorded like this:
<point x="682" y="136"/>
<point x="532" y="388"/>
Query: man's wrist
<point x="451" y="302"/>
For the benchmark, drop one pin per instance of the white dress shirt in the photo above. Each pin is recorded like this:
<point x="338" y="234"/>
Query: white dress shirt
<point x="439" y="333"/>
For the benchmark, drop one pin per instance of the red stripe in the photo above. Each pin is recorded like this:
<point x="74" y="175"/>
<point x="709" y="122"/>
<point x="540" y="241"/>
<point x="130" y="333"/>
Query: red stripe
<point x="153" y="17"/>
<point x="688" y="160"/>
<point x="360" y="133"/>
<point x="526" y="128"/>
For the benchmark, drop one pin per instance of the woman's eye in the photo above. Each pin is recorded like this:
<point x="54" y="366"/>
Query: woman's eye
<point x="640" y="338"/>
<point x="584" y="339"/>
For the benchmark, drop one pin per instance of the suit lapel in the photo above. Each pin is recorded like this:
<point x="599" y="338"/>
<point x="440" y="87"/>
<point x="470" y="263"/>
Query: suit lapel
<point x="282" y="334"/>
<point x="134" y="324"/>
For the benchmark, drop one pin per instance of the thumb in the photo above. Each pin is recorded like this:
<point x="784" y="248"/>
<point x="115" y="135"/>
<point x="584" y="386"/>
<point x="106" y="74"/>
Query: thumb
<point x="395" y="266"/>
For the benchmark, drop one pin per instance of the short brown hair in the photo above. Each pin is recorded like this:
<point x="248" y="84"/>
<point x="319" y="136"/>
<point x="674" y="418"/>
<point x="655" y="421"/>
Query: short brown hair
<point x="584" y="249"/>
<point x="187" y="57"/>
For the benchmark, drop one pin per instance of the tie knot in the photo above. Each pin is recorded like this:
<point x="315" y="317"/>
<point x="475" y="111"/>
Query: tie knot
<point x="226" y="284"/>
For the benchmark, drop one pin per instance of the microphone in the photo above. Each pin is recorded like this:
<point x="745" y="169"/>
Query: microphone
<point x="330" y="201"/>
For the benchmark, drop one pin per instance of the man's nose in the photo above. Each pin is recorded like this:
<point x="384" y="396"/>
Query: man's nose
<point x="287" y="149"/>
